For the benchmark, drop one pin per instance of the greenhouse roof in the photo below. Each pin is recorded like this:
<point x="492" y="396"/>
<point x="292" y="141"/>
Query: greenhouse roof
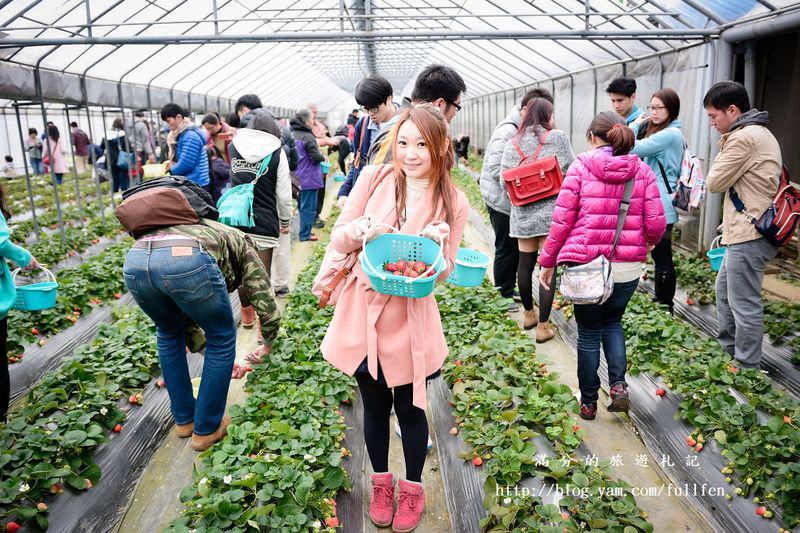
<point x="293" y="52"/>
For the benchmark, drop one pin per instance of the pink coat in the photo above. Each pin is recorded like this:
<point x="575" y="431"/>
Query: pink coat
<point x="59" y="162"/>
<point x="585" y="216"/>
<point x="404" y="334"/>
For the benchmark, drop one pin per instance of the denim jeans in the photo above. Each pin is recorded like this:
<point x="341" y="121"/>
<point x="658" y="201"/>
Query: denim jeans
<point x="169" y="288"/>
<point x="602" y="323"/>
<point x="740" y="310"/>
<point x="308" y="212"/>
<point x="37" y="166"/>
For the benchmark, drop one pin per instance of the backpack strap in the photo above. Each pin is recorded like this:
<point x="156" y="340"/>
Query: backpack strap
<point x="535" y="155"/>
<point x="664" y="176"/>
<point x="624" y="205"/>
<point x="739" y="205"/>
<point x="542" y="140"/>
<point x="364" y="128"/>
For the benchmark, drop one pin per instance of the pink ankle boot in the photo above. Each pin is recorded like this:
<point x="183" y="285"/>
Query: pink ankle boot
<point x="411" y="503"/>
<point x="381" y="508"/>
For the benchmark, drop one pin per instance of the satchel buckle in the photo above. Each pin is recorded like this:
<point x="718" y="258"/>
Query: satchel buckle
<point x="541" y="173"/>
<point x="517" y="182"/>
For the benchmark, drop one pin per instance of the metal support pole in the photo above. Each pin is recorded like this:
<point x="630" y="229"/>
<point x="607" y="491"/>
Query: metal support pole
<point x="713" y="204"/>
<point x="39" y="92"/>
<point x="27" y="176"/>
<point x="75" y="170"/>
<point x="88" y="18"/>
<point x="216" y="18"/>
<point x="587" y="11"/>
<point x="93" y="157"/>
<point x="127" y="140"/>
<point x="109" y="166"/>
<point x="750" y="70"/>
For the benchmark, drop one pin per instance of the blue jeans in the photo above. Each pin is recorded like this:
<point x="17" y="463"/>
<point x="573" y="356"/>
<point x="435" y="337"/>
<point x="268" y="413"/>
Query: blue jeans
<point x="120" y="179"/>
<point x="169" y="288"/>
<point x="598" y="323"/>
<point x="308" y="212"/>
<point x="37" y="166"/>
<point x="59" y="177"/>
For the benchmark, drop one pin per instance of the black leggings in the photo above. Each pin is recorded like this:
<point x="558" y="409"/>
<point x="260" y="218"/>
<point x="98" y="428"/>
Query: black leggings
<point x="266" y="258"/>
<point x="527" y="261"/>
<point x="665" y="270"/>
<point x="5" y="382"/>
<point x="377" y="400"/>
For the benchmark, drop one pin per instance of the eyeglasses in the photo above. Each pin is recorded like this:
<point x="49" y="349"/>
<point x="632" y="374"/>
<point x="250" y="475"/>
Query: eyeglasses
<point x="457" y="106"/>
<point x="652" y="108"/>
<point x="369" y="109"/>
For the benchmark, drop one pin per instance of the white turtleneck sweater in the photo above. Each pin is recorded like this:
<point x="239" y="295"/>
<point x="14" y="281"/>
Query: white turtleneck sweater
<point x="415" y="191"/>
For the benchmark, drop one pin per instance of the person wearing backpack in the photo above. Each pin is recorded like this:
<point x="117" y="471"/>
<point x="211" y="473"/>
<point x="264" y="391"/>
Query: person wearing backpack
<point x="585" y="220"/>
<point x="187" y="156"/>
<point x="749" y="164"/>
<point x="256" y="153"/>
<point x="495" y="196"/>
<point x="116" y="142"/>
<point x="659" y="142"/>
<point x="530" y="223"/>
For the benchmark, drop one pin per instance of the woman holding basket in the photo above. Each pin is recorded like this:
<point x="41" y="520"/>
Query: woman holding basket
<point x="23" y="258"/>
<point x="394" y="344"/>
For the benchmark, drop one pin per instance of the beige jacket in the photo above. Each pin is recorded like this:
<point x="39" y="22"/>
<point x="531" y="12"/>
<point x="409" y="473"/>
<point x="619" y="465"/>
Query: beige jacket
<point x="750" y="161"/>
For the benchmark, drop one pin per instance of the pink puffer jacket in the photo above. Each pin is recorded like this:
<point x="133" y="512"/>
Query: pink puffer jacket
<point x="586" y="211"/>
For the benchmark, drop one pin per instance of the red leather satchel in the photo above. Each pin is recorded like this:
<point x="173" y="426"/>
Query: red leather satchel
<point x="533" y="180"/>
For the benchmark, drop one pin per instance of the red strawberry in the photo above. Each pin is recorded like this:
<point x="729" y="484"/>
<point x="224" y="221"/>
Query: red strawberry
<point x="332" y="522"/>
<point x="41" y="506"/>
<point x="88" y="484"/>
<point x="401" y="265"/>
<point x="431" y="274"/>
<point x="35" y="331"/>
<point x="689" y="301"/>
<point x="477" y="461"/>
<point x="690" y="441"/>
<point x="56" y="488"/>
<point x="787" y="420"/>
<point x="575" y="427"/>
<point x="761" y="510"/>
<point x="248" y="368"/>
<point x="133" y="399"/>
<point x="12" y="527"/>
<point x="117" y="428"/>
<point x="391" y="267"/>
<point x="660" y="392"/>
<point x="699" y="447"/>
<point x="407" y="272"/>
<point x="118" y="296"/>
<point x="454" y="431"/>
<point x="733" y="370"/>
<point x="161" y="383"/>
<point x="457" y="362"/>
<point x="414" y="274"/>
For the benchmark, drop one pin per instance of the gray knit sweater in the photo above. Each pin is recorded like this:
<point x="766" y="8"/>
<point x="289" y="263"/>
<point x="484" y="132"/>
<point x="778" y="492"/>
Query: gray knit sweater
<point x="534" y="220"/>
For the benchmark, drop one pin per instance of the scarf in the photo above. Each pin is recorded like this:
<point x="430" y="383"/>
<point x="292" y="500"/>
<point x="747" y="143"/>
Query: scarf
<point x="172" y="137"/>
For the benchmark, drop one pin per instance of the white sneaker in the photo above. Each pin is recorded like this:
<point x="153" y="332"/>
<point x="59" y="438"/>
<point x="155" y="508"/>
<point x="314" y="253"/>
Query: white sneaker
<point x="399" y="434"/>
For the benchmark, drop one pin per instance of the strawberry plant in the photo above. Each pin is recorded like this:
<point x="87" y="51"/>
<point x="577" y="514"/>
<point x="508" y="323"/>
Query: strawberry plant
<point x="49" y="442"/>
<point x="280" y="466"/>
<point x="763" y="456"/>
<point x="503" y="397"/>
<point x="80" y="289"/>
<point x="467" y="183"/>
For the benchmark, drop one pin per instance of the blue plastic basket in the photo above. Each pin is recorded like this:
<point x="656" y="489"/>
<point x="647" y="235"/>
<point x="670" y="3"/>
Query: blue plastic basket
<point x="716" y="254"/>
<point x="470" y="268"/>
<point x="392" y="247"/>
<point x="36" y="296"/>
<point x="339" y="176"/>
<point x="325" y="167"/>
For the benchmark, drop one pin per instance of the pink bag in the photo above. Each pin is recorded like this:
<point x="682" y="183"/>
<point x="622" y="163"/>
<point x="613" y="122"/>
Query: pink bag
<point x="337" y="266"/>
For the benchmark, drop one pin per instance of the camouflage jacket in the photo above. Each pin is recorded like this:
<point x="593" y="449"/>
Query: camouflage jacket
<point x="240" y="265"/>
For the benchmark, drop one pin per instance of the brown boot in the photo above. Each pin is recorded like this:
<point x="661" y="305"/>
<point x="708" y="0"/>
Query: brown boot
<point x="530" y="318"/>
<point x="204" y="442"/>
<point x="184" y="430"/>
<point x="248" y="316"/>
<point x="544" y="332"/>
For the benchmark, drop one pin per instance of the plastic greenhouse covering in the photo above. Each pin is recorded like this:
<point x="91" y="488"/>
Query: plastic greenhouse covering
<point x="95" y="61"/>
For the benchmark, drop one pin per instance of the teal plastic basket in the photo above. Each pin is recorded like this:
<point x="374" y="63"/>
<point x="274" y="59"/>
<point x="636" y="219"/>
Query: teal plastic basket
<point x="36" y="296"/>
<point x="325" y="167"/>
<point x="339" y="176"/>
<point x="716" y="254"/>
<point x="392" y="247"/>
<point x="470" y="268"/>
